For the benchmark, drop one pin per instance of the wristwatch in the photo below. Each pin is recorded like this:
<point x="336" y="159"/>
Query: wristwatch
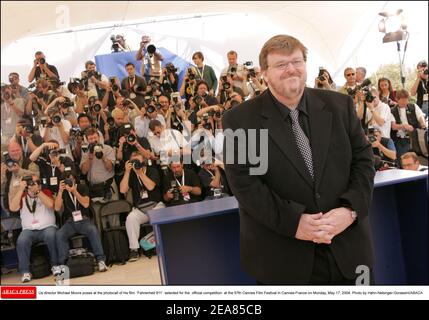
<point x="353" y="214"/>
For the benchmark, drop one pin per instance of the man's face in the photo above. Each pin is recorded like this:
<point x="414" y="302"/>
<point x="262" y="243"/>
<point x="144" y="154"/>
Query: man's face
<point x="14" y="79"/>
<point x="163" y="101"/>
<point x="286" y="81"/>
<point x="15" y="151"/>
<point x="202" y="89"/>
<point x="40" y="56"/>
<point x="36" y="186"/>
<point x="130" y="70"/>
<point x="84" y="123"/>
<point x="410" y="164"/>
<point x="157" y="131"/>
<point x="177" y="169"/>
<point x="402" y="102"/>
<point x="197" y="60"/>
<point x="360" y="76"/>
<point x="93" y="138"/>
<point x="232" y="59"/>
<point x="119" y="119"/>
<point x="420" y="69"/>
<point x="350" y="75"/>
<point x="91" y="67"/>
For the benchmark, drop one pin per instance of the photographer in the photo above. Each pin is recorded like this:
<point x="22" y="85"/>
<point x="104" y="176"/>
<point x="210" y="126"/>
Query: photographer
<point x="41" y="69"/>
<point x="73" y="200"/>
<point x="213" y="180"/>
<point x="360" y="75"/>
<point x="129" y="142"/>
<point x="97" y="165"/>
<point x="39" y="99"/>
<point x="420" y="86"/>
<point x="147" y="113"/>
<point x="26" y="137"/>
<point x="134" y="85"/>
<point x="350" y="75"/>
<point x="144" y="183"/>
<point x="98" y="113"/>
<point x="36" y="208"/>
<point x="13" y="168"/>
<point x="151" y="64"/>
<point x="226" y="88"/>
<point x="17" y="90"/>
<point x="119" y="44"/>
<point x="181" y="186"/>
<point x="95" y="81"/>
<point x="387" y="94"/>
<point x="202" y="98"/>
<point x="256" y="83"/>
<point x="379" y="115"/>
<point x="58" y="129"/>
<point x="12" y="108"/>
<point x="77" y="88"/>
<point x="65" y="106"/>
<point x="170" y="79"/>
<point x="204" y="72"/>
<point x="408" y="118"/>
<point x="78" y="135"/>
<point x="112" y="125"/>
<point x="237" y="72"/>
<point x="324" y="80"/>
<point x="382" y="147"/>
<point x="187" y="89"/>
<point x="52" y="163"/>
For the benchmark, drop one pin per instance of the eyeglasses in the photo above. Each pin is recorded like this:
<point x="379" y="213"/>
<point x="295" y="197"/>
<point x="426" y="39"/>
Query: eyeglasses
<point x="298" y="63"/>
<point x="350" y="74"/>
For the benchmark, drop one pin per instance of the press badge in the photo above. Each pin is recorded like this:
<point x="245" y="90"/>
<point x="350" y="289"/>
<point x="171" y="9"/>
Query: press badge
<point x="8" y="121"/>
<point x="77" y="216"/>
<point x="144" y="194"/>
<point x="425" y="97"/>
<point x="53" y="181"/>
<point x="186" y="196"/>
<point x="35" y="224"/>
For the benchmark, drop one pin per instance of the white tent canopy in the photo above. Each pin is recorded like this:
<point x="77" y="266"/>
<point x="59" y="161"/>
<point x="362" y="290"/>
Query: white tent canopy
<point x="334" y="32"/>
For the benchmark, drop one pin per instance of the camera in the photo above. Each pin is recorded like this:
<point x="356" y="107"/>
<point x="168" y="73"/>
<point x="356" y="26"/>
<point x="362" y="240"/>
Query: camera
<point x="218" y="114"/>
<point x="175" y="96"/>
<point x="28" y="128"/>
<point x="131" y="138"/>
<point x="115" y="87"/>
<point x="111" y="122"/>
<point x="56" y="119"/>
<point x="191" y="74"/>
<point x="207" y="126"/>
<point x="175" y="190"/>
<point x="97" y="107"/>
<point x="127" y="103"/>
<point x="93" y="73"/>
<point x="251" y="71"/>
<point x="96" y="149"/>
<point x="68" y="182"/>
<point x="42" y="60"/>
<point x="75" y="132"/>
<point x="150" y="109"/>
<point x="8" y="160"/>
<point x="363" y="86"/>
<point x="425" y="71"/>
<point x="115" y="44"/>
<point x="198" y="100"/>
<point x="234" y="103"/>
<point x="29" y="181"/>
<point x="320" y="76"/>
<point x="371" y="135"/>
<point x="57" y="152"/>
<point x="151" y="49"/>
<point x="170" y="68"/>
<point x="67" y="103"/>
<point x="85" y="148"/>
<point x="137" y="165"/>
<point x="211" y="113"/>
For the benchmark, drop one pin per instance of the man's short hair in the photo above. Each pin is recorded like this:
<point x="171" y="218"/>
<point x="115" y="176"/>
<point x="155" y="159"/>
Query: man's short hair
<point x="89" y="63"/>
<point x="347" y="69"/>
<point x="84" y="115"/>
<point x="38" y="53"/>
<point x="43" y="82"/>
<point x="232" y="52"/>
<point x="130" y="64"/>
<point x="361" y="69"/>
<point x="14" y="74"/>
<point x="200" y="82"/>
<point x="410" y="154"/>
<point x="422" y="63"/>
<point x="402" y="93"/>
<point x="91" y="131"/>
<point x="154" y="123"/>
<point x="116" y="111"/>
<point x="198" y="54"/>
<point x="280" y="43"/>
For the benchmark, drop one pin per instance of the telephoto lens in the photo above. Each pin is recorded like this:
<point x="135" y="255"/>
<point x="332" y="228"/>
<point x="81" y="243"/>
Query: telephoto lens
<point x="97" y="107"/>
<point x="131" y="138"/>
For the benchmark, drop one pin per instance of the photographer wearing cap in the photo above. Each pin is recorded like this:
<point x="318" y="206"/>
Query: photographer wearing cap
<point x="73" y="200"/>
<point x="41" y="69"/>
<point x="420" y="86"/>
<point x="181" y="186"/>
<point x="52" y="163"/>
<point x="97" y="164"/>
<point x="134" y="85"/>
<point x="151" y="64"/>
<point x="237" y="72"/>
<point x="144" y="183"/>
<point x="36" y="207"/>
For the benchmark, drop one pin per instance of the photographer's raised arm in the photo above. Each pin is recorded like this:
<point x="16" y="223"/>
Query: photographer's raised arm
<point x="87" y="163"/>
<point x="46" y="200"/>
<point x="32" y="73"/>
<point x="413" y="90"/>
<point x="15" y="202"/>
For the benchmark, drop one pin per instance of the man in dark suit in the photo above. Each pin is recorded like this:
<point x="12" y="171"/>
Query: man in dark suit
<point x="134" y="85"/>
<point x="305" y="219"/>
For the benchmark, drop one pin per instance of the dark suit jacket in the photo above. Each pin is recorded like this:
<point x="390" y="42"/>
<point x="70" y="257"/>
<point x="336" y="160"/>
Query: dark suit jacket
<point x="125" y="85"/>
<point x="271" y="204"/>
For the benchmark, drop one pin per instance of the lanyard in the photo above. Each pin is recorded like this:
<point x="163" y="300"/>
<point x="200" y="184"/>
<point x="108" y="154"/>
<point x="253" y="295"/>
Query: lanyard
<point x="33" y="207"/>
<point x="183" y="179"/>
<point x="73" y="199"/>
<point x="139" y="180"/>
<point x="131" y="84"/>
<point x="424" y="86"/>
<point x="201" y="73"/>
<point x="53" y="170"/>
<point x="24" y="145"/>
<point x="210" y="173"/>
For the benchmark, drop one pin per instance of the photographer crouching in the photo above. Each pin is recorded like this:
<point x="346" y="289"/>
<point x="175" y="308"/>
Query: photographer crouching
<point x="383" y="148"/>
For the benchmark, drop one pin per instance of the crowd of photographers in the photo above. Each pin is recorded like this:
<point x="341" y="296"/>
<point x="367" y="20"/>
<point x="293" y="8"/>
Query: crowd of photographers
<point x="95" y="137"/>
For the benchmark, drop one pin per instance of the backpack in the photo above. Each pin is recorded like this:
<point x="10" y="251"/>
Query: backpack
<point x="80" y="263"/>
<point x="116" y="246"/>
<point x="39" y="265"/>
<point x="419" y="142"/>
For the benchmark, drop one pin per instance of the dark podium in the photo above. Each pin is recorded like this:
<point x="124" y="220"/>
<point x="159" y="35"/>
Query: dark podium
<point x="198" y="244"/>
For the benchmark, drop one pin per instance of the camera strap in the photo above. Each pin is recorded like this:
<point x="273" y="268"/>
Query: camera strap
<point x="200" y="73"/>
<point x="53" y="170"/>
<point x="33" y="206"/>
<point x="74" y="200"/>
<point x="24" y="145"/>
<point x="183" y="179"/>
<point x="131" y="83"/>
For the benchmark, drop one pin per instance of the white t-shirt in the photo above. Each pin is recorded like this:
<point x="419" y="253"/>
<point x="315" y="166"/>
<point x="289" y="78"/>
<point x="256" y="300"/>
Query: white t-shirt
<point x="170" y="140"/>
<point x="384" y="111"/>
<point x="141" y="124"/>
<point x="55" y="134"/>
<point x="42" y="218"/>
